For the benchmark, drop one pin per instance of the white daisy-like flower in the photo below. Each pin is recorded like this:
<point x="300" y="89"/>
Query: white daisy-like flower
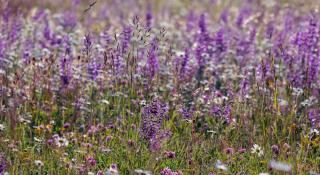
<point x="221" y="166"/>
<point x="38" y="163"/>
<point x="280" y="166"/>
<point x="264" y="174"/>
<point x="61" y="142"/>
<point x="143" y="103"/>
<point x="314" y="131"/>
<point x="113" y="170"/>
<point x="256" y="149"/>
<point x="144" y="172"/>
<point x="2" y="127"/>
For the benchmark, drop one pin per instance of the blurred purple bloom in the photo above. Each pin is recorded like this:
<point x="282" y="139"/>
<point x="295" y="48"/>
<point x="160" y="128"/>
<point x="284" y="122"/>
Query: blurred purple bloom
<point x="3" y="163"/>
<point x="168" y="171"/>
<point x="314" y="117"/>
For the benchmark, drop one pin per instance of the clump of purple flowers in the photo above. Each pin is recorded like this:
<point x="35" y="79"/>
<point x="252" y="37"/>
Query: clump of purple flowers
<point x="152" y="118"/>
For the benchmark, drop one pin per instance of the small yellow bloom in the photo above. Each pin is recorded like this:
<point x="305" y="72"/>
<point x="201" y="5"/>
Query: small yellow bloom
<point x="49" y="127"/>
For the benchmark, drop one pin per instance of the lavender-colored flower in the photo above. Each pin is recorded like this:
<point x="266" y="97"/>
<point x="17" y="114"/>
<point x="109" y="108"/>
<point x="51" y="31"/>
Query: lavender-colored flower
<point x="66" y="125"/>
<point x="314" y="117"/>
<point x="50" y="142"/>
<point x="152" y="62"/>
<point x="184" y="63"/>
<point x="190" y="21"/>
<point x="186" y="113"/>
<point x="64" y="71"/>
<point x="69" y="20"/>
<point x="127" y="34"/>
<point x="242" y="150"/>
<point x="275" y="149"/>
<point x="3" y="163"/>
<point x="152" y="117"/>
<point x="91" y="161"/>
<point x="219" y="42"/>
<point x="229" y="150"/>
<point x="224" y="16"/>
<point x="202" y="23"/>
<point x="168" y="171"/>
<point x="87" y="42"/>
<point x="244" y="12"/>
<point x="149" y="16"/>
<point x="170" y="154"/>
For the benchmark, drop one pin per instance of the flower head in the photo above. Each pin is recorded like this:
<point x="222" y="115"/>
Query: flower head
<point x="39" y="163"/>
<point x="256" y="149"/>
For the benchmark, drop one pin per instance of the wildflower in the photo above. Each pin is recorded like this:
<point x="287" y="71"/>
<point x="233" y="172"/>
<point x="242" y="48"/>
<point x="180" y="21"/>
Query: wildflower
<point x="49" y="127"/>
<point x="2" y="127"/>
<point x="100" y="172"/>
<point x="108" y="138"/>
<point x="314" y="117"/>
<point x="170" y="154"/>
<point x="256" y="149"/>
<point x="24" y="121"/>
<point x="61" y="142"/>
<point x="113" y="170"/>
<point x="264" y="174"/>
<point x="242" y="150"/>
<point x="66" y="125"/>
<point x="91" y="161"/>
<point x="105" y="102"/>
<point x="142" y="172"/>
<point x="168" y="171"/>
<point x="130" y="142"/>
<point x="152" y="117"/>
<point x="221" y="166"/>
<point x="38" y="163"/>
<point x="91" y="173"/>
<point x="3" y="163"/>
<point x="275" y="149"/>
<point x="50" y="141"/>
<point x="314" y="132"/>
<point x="280" y="166"/>
<point x="229" y="150"/>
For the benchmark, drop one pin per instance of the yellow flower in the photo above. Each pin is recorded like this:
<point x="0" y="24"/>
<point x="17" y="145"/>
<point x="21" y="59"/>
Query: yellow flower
<point x="49" y="127"/>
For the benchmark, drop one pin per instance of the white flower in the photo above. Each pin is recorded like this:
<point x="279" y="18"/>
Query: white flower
<point x="105" y="102"/>
<point x="297" y="91"/>
<point x="280" y="166"/>
<point x="61" y="142"/>
<point x="221" y="166"/>
<point x="90" y="173"/>
<point x="38" y="163"/>
<point x="38" y="139"/>
<point x="2" y="127"/>
<point x="314" y="131"/>
<point x="112" y="170"/>
<point x="143" y="103"/>
<point x="264" y="174"/>
<point x="52" y="122"/>
<point x="256" y="149"/>
<point x="144" y="172"/>
<point x="23" y="120"/>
